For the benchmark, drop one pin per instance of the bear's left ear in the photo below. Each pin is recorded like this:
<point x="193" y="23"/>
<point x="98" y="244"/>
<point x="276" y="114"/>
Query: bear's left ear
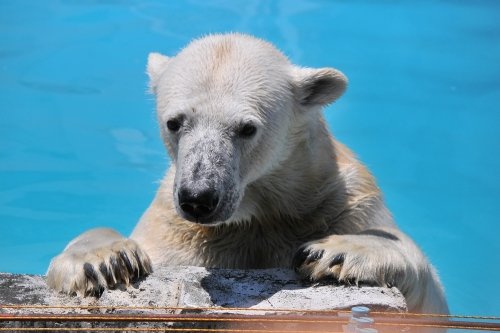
<point x="315" y="87"/>
<point x="156" y="65"/>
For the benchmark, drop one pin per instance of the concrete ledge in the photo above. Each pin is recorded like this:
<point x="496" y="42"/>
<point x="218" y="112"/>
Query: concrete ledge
<point x="192" y="287"/>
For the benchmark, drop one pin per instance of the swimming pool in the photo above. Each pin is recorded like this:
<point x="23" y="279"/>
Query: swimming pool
<point x="80" y="147"/>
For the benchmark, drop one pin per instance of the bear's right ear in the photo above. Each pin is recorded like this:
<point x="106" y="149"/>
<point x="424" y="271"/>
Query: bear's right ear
<point x="156" y="65"/>
<point x="316" y="87"/>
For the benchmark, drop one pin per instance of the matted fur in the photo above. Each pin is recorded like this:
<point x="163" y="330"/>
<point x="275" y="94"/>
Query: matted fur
<point x="288" y="194"/>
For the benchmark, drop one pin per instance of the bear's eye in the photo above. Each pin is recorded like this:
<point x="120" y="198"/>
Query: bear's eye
<point x="173" y="125"/>
<point x="247" y="131"/>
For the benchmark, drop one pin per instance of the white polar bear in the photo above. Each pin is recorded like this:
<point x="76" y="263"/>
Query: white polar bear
<point x="256" y="181"/>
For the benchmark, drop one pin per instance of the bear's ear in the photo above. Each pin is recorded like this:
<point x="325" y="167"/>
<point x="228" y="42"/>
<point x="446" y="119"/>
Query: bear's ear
<point x="314" y="87"/>
<point x="156" y="65"/>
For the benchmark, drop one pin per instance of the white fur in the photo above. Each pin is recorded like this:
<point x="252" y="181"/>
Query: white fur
<point x="287" y="191"/>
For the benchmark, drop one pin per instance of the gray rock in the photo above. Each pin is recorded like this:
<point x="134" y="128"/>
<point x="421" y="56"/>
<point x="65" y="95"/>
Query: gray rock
<point x="177" y="292"/>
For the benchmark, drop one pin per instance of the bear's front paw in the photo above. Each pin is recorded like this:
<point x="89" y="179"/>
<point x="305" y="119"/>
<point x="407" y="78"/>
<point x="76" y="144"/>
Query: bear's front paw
<point x="351" y="259"/>
<point x="88" y="273"/>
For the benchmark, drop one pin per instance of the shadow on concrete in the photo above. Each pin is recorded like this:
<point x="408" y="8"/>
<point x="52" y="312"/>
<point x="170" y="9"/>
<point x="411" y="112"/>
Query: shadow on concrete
<point x="252" y="287"/>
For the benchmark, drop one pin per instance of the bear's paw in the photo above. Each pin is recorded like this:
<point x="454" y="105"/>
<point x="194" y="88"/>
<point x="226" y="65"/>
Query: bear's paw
<point x="361" y="260"/>
<point x="90" y="273"/>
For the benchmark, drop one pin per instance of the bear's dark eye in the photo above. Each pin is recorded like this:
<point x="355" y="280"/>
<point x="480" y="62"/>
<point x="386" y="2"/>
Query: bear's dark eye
<point x="173" y="125"/>
<point x="247" y="131"/>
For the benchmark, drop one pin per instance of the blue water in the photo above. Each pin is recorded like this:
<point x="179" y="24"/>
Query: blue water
<point x="79" y="146"/>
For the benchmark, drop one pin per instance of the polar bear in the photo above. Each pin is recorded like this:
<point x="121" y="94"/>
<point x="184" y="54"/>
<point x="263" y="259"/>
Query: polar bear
<point x="256" y="181"/>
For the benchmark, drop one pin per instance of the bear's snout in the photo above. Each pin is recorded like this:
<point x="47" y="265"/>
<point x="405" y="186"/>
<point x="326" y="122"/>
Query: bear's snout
<point x="197" y="203"/>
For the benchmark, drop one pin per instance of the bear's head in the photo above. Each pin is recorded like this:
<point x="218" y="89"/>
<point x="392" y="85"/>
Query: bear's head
<point x="231" y="109"/>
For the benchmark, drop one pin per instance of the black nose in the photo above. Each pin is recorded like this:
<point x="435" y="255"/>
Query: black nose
<point x="199" y="203"/>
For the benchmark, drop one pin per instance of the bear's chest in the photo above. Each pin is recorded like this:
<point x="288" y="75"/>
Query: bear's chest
<point x="255" y="247"/>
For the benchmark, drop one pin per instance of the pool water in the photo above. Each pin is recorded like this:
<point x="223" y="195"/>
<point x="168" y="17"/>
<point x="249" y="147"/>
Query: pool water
<point x="79" y="145"/>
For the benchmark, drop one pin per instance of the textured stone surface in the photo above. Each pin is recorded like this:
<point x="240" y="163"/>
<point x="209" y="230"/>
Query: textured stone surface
<point x="192" y="287"/>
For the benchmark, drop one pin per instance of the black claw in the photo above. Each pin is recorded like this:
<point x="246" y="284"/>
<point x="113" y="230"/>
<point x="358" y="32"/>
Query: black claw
<point x="337" y="260"/>
<point x="314" y="256"/>
<point x="126" y="261"/>
<point x="90" y="273"/>
<point x="101" y="290"/>
<point x="141" y="271"/>
<point x="107" y="274"/>
<point x="125" y="276"/>
<point x="300" y="257"/>
<point x="95" y="292"/>
<point x="116" y="266"/>
<point x="305" y="256"/>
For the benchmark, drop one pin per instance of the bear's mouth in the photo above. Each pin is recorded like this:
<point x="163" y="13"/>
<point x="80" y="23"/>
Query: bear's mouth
<point x="209" y="220"/>
<point x="206" y="211"/>
<point x="194" y="216"/>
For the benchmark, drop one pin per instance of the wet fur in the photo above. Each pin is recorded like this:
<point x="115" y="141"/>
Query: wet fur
<point x="292" y="197"/>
